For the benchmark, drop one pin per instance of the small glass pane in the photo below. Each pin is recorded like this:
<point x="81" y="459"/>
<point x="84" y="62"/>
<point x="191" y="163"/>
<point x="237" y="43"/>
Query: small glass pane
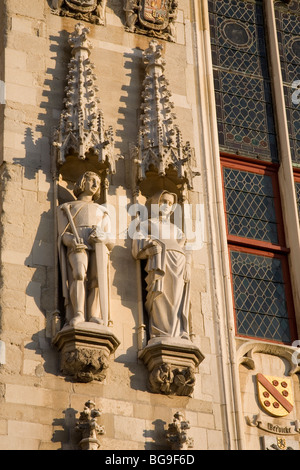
<point x="250" y="205"/>
<point x="260" y="299"/>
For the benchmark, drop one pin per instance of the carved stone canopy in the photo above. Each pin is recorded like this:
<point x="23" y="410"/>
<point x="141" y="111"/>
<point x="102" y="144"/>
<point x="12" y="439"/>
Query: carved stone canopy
<point x="162" y="160"/>
<point x="81" y="132"/>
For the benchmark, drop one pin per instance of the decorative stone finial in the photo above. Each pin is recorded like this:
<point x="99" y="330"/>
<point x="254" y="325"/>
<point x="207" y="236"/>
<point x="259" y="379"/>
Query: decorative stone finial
<point x="177" y="433"/>
<point x="89" y="428"/>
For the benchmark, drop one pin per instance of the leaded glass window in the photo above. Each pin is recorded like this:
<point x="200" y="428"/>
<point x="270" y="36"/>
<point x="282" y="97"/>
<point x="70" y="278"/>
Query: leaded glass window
<point x="250" y="205"/>
<point x="260" y="280"/>
<point x="288" y="33"/>
<point x="241" y="79"/>
<point x="260" y="296"/>
<point x="297" y="186"/>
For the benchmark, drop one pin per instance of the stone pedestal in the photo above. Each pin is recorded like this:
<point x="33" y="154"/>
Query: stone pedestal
<point x="171" y="363"/>
<point x="85" y="350"/>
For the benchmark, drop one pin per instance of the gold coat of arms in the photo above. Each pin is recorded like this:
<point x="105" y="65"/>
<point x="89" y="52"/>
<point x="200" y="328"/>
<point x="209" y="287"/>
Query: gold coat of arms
<point x="275" y="395"/>
<point x="156" y="12"/>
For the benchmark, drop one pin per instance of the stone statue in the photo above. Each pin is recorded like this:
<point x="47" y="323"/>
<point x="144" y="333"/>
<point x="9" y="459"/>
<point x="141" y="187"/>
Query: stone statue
<point x="84" y="243"/>
<point x="130" y="8"/>
<point x="161" y="243"/>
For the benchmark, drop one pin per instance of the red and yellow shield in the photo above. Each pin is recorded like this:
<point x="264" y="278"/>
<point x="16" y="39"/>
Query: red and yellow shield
<point x="155" y="11"/>
<point x="275" y="394"/>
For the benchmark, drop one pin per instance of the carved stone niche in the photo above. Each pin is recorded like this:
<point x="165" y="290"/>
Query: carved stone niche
<point x="171" y="364"/>
<point x="85" y="351"/>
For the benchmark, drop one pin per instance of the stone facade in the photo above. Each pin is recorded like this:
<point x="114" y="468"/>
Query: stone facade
<point x="39" y="407"/>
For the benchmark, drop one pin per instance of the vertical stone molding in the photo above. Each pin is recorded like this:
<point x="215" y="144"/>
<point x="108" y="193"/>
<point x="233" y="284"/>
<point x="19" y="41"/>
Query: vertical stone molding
<point x="151" y="17"/>
<point x="92" y="11"/>
<point x="89" y="428"/>
<point x="160" y="156"/>
<point x="177" y="434"/>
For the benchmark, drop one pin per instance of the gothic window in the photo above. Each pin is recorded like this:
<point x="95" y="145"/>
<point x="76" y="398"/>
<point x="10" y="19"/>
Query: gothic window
<point x="288" y="33"/>
<point x="258" y="256"/>
<point x="262" y="294"/>
<point x="241" y="78"/>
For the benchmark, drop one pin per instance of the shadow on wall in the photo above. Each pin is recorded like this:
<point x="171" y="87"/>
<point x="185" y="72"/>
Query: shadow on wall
<point x="66" y="432"/>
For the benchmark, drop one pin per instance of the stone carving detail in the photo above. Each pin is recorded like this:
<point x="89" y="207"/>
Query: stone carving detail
<point x="84" y="243"/>
<point x="169" y="380"/>
<point x="81" y="131"/>
<point x="85" y="364"/>
<point x="92" y="11"/>
<point x="152" y="17"/>
<point x="177" y="433"/>
<point x="89" y="428"/>
<point x="160" y="148"/>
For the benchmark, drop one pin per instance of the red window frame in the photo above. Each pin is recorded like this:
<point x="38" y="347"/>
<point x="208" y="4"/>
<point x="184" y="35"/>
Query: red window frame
<point x="252" y="246"/>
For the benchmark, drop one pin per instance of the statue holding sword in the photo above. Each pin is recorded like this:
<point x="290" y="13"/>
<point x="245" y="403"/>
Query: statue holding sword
<point x="84" y="243"/>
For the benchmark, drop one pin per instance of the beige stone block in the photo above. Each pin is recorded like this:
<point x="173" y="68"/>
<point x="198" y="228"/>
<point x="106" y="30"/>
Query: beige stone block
<point x="180" y="33"/>
<point x="29" y="430"/>
<point x="12" y="443"/>
<point x="20" y="7"/>
<point x="199" y="436"/>
<point x="3" y="426"/>
<point x="30" y="367"/>
<point x="22" y="25"/>
<point x="19" y="77"/>
<point x="34" y="396"/>
<point x="21" y="94"/>
<point x="215" y="440"/>
<point x="115" y="407"/>
<point x="131" y="429"/>
<point x="14" y="140"/>
<point x="15" y="59"/>
<point x="16" y="258"/>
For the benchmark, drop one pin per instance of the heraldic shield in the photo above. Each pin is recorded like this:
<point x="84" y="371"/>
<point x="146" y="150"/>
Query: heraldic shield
<point x="275" y="395"/>
<point x="155" y="13"/>
<point x="82" y="5"/>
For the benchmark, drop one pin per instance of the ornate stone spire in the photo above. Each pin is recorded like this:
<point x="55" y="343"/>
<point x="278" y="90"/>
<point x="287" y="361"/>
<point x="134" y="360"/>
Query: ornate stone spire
<point x="160" y="144"/>
<point x="89" y="428"/>
<point x="177" y="433"/>
<point x="81" y="130"/>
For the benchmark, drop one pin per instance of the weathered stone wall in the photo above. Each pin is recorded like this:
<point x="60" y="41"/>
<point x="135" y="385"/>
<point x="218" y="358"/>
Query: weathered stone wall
<point x="38" y="405"/>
